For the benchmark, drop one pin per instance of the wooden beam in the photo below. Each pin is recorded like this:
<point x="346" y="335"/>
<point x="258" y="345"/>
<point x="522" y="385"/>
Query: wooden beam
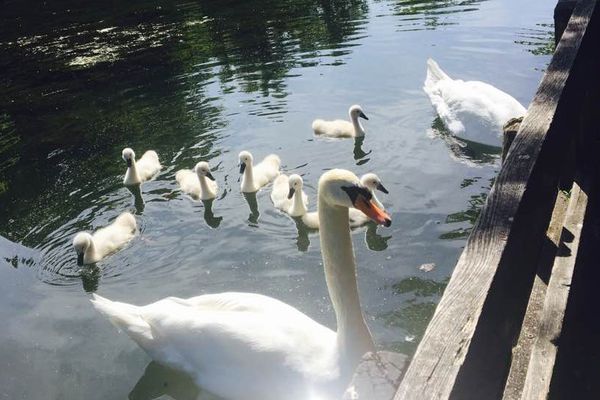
<point x="543" y="356"/>
<point x="465" y="352"/>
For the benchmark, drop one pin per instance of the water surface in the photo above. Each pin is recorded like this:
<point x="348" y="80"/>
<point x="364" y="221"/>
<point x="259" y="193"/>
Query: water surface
<point x="202" y="81"/>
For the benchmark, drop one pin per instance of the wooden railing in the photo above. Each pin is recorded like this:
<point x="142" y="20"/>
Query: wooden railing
<point x="539" y="197"/>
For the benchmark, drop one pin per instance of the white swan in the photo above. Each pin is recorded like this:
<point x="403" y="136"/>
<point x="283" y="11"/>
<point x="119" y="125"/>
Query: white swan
<point x="141" y="170"/>
<point x="472" y="110"/>
<point x="107" y="240"/>
<point x="249" y="346"/>
<point x="288" y="196"/>
<point x="198" y="183"/>
<point x="257" y="176"/>
<point x="340" y="128"/>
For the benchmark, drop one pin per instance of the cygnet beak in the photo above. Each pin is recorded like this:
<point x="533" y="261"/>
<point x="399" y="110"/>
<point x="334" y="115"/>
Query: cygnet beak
<point x="80" y="259"/>
<point x="128" y="162"/>
<point x="382" y="188"/>
<point x="291" y="192"/>
<point x="242" y="167"/>
<point x="362" y="115"/>
<point x="210" y="176"/>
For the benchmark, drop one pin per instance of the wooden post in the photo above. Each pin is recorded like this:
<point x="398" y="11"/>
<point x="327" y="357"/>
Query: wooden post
<point x="510" y="130"/>
<point x="562" y="13"/>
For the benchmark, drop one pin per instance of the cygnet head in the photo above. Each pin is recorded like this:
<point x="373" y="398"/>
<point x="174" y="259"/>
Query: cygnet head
<point x="373" y="182"/>
<point x="245" y="159"/>
<point x="128" y="155"/>
<point x="296" y="184"/>
<point x="356" y="111"/>
<point x="202" y="169"/>
<point x="81" y="242"/>
<point x="342" y="188"/>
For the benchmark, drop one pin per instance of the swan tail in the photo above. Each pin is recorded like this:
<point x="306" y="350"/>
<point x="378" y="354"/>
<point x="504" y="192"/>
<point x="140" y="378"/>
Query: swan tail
<point x="273" y="159"/>
<point x="434" y="73"/>
<point x="125" y="317"/>
<point x="317" y="126"/>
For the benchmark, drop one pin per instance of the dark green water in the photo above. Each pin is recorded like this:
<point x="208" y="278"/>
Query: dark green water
<point x="79" y="81"/>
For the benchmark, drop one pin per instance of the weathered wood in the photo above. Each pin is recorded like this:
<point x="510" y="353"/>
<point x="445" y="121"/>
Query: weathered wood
<point x="521" y="353"/>
<point x="541" y="365"/>
<point x="509" y="130"/>
<point x="377" y="376"/>
<point x="465" y="352"/>
<point x="562" y="13"/>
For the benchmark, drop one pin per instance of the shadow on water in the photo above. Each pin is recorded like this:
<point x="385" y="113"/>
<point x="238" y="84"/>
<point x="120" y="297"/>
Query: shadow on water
<point x="160" y="382"/>
<point x="138" y="200"/>
<point x="209" y="216"/>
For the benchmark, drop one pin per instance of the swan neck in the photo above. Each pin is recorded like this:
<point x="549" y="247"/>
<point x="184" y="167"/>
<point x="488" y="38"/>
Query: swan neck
<point x="90" y="252"/>
<point x="132" y="173"/>
<point x="298" y="207"/>
<point x="358" y="128"/>
<point x="203" y="185"/>
<point x="353" y="336"/>
<point x="249" y="178"/>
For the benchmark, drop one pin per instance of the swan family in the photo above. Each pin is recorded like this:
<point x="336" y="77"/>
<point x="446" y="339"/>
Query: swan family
<point x="251" y="346"/>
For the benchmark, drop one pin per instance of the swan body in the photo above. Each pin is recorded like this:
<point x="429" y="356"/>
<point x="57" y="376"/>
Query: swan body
<point x="141" y="170"/>
<point x="288" y="196"/>
<point x="249" y="346"/>
<point x="472" y="110"/>
<point x="91" y="248"/>
<point x="340" y="128"/>
<point x="256" y="176"/>
<point x="199" y="182"/>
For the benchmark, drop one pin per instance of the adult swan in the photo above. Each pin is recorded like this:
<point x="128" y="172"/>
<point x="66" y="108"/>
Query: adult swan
<point x="249" y="346"/>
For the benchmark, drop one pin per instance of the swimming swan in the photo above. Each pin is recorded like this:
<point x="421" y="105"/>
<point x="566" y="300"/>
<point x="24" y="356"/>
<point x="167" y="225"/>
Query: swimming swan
<point x="107" y="240"/>
<point x="141" y="170"/>
<point x="340" y="128"/>
<point x="257" y="176"/>
<point x="198" y="183"/>
<point x="288" y="196"/>
<point x="473" y="110"/>
<point x="249" y="346"/>
<point x="372" y="182"/>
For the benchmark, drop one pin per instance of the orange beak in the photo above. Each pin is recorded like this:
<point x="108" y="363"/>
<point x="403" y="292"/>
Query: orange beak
<point x="372" y="211"/>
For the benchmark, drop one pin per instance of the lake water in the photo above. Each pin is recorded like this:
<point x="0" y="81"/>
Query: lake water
<point x="204" y="80"/>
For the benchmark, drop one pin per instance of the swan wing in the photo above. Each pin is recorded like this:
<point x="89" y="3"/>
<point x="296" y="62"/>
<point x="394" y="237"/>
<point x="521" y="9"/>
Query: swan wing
<point x="112" y="237"/>
<point x="267" y="170"/>
<point x="188" y="182"/>
<point x="336" y="128"/>
<point x="279" y="193"/>
<point x="232" y="352"/>
<point x="148" y="165"/>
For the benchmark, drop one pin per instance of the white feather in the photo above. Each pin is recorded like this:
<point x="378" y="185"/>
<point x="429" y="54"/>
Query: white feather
<point x="472" y="110"/>
<point x="340" y="128"/>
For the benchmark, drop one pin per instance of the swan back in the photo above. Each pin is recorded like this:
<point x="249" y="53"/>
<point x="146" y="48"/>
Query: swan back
<point x="474" y="110"/>
<point x="148" y="165"/>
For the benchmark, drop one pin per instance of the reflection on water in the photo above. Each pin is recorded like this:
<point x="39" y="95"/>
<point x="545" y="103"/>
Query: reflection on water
<point x="359" y="153"/>
<point x="209" y="216"/>
<point x="430" y="14"/>
<point x="138" y="200"/>
<point x="159" y="381"/>
<point x="465" y="150"/>
<point x="254" y="212"/>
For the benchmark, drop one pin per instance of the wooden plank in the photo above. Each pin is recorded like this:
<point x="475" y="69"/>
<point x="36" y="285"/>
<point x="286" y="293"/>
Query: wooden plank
<point x="562" y="13"/>
<point x="521" y="353"/>
<point x="462" y="355"/>
<point x="543" y="356"/>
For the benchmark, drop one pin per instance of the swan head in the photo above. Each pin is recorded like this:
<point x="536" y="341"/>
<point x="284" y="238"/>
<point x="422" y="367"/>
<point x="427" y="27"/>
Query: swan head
<point x="81" y="242"/>
<point x="245" y="159"/>
<point x="342" y="188"/>
<point x="296" y="184"/>
<point x="128" y="155"/>
<point x="202" y="169"/>
<point x="373" y="182"/>
<point x="356" y="111"/>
